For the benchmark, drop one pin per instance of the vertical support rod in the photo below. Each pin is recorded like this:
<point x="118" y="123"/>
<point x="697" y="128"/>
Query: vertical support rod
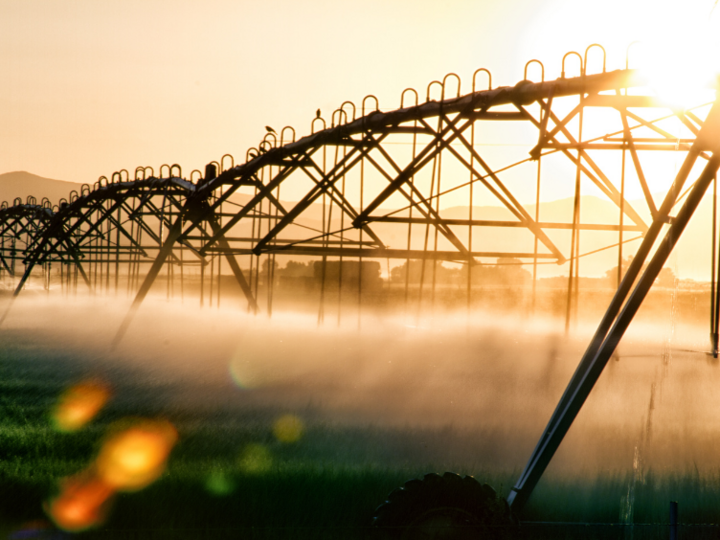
<point x="427" y="237"/>
<point x="573" y="275"/>
<point x="360" y="259"/>
<point x="411" y="181"/>
<point x="535" y="238"/>
<point x="219" y="275"/>
<point x="435" y="263"/>
<point x="713" y="317"/>
<point x="323" y="270"/>
<point x="182" y="276"/>
<point x="621" y="221"/>
<point x="717" y="297"/>
<point x="212" y="278"/>
<point x="108" y="232"/>
<point x="117" y="251"/>
<point x="471" y="260"/>
<point x="202" y="282"/>
<point x="342" y="242"/>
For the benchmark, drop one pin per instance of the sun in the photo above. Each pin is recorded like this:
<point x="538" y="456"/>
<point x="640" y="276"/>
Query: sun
<point x="682" y="59"/>
<point x="675" y="44"/>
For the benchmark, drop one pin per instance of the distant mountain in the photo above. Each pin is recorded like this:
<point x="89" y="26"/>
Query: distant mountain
<point x="21" y="184"/>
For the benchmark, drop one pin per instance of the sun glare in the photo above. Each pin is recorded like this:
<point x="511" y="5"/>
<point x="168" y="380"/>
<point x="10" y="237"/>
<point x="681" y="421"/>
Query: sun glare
<point x="680" y="55"/>
<point x="675" y="45"/>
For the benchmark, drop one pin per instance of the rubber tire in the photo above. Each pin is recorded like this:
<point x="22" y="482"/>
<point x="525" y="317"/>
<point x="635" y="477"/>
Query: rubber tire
<point x="445" y="507"/>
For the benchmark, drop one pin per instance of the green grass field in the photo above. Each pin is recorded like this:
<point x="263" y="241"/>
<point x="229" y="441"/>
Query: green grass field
<point x="229" y="476"/>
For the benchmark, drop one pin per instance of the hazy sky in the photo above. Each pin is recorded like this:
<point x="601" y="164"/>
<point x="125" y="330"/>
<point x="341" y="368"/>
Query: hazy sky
<point x="89" y="87"/>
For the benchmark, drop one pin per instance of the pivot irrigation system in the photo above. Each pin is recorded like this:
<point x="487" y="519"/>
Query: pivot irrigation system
<point x="386" y="185"/>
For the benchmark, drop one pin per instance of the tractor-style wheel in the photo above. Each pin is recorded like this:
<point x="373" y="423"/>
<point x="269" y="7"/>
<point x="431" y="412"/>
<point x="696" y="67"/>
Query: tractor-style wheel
<point x="445" y="507"/>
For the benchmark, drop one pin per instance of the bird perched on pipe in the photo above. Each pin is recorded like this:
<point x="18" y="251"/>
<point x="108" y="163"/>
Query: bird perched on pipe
<point x="269" y="129"/>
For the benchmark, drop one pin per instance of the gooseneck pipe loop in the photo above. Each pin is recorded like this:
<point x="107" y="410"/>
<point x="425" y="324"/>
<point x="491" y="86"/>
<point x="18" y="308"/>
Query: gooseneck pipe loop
<point x="580" y="59"/>
<point x="489" y="76"/>
<point x="604" y="56"/>
<point x="542" y="69"/>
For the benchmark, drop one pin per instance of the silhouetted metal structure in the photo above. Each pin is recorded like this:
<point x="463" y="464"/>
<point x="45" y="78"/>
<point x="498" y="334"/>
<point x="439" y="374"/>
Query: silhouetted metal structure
<point x="376" y="185"/>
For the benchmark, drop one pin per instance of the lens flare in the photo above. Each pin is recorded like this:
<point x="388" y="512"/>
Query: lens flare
<point x="255" y="459"/>
<point x="135" y="457"/>
<point x="83" y="503"/>
<point x="218" y="483"/>
<point x="288" y="428"/>
<point x="129" y="460"/>
<point x="37" y="529"/>
<point x="245" y="373"/>
<point x="79" y="404"/>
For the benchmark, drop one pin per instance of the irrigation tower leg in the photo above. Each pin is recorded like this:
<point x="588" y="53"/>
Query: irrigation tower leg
<point x="613" y="326"/>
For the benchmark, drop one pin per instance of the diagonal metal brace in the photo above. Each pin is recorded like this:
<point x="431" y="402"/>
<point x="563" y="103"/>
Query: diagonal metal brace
<point x="613" y="326"/>
<point x="237" y="272"/>
<point x="152" y="274"/>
